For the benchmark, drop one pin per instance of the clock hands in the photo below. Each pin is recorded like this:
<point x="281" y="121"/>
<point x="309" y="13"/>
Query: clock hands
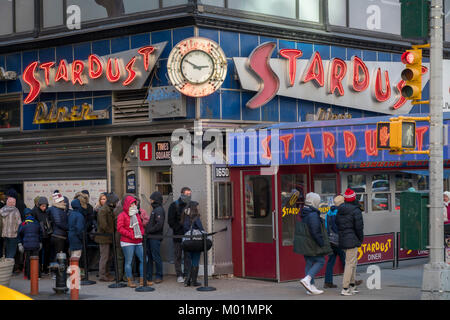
<point x="195" y="66"/>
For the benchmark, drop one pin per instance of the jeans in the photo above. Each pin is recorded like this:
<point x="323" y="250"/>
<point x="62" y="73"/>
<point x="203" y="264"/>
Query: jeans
<point x="313" y="266"/>
<point x="331" y="261"/>
<point x="129" y="252"/>
<point x="45" y="254"/>
<point x="178" y="252"/>
<point x="11" y="247"/>
<point x="154" y="255"/>
<point x="195" y="258"/>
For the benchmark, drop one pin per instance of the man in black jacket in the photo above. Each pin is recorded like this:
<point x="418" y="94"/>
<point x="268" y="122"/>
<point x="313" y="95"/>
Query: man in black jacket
<point x="174" y="219"/>
<point x="155" y="228"/>
<point x="58" y="217"/>
<point x="40" y="213"/>
<point x="350" y="224"/>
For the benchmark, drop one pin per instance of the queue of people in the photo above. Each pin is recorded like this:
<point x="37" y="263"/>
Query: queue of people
<point x="60" y="226"/>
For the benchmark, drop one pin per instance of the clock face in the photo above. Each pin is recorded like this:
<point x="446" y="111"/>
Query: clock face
<point x="197" y="67"/>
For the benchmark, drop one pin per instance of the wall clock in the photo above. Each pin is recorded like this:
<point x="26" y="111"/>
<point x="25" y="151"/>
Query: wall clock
<point x="197" y="66"/>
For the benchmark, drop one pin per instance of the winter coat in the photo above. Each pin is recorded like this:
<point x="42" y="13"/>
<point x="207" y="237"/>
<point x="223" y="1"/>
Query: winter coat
<point x="58" y="217"/>
<point x="10" y="221"/>
<point x="19" y="202"/>
<point x="330" y="220"/>
<point x="195" y="223"/>
<point x="105" y="224"/>
<point x="30" y="233"/>
<point x="311" y="216"/>
<point x="123" y="223"/>
<point x="174" y="218"/>
<point x="43" y="217"/>
<point x="76" y="226"/>
<point x="155" y="225"/>
<point x="350" y="225"/>
<point x="87" y="210"/>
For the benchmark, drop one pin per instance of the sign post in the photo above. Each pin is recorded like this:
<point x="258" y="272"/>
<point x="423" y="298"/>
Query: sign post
<point x="436" y="275"/>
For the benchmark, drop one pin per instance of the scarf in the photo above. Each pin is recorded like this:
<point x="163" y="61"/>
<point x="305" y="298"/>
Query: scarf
<point x="134" y="223"/>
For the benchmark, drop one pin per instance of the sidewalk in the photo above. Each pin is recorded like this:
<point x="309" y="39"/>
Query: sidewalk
<point x="403" y="283"/>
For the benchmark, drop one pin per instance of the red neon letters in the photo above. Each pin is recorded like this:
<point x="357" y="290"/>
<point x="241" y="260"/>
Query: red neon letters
<point x="267" y="154"/>
<point x="79" y="72"/>
<point x="349" y="143"/>
<point x="308" y="148"/>
<point x="380" y="93"/>
<point x="328" y="144"/>
<point x="371" y="142"/>
<point x="336" y="73"/>
<point x="286" y="139"/>
<point x="292" y="55"/>
<point x="314" y="70"/>
<point x="360" y="67"/>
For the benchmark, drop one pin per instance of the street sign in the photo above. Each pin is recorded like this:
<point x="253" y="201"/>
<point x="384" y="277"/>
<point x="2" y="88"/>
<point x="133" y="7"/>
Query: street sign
<point x="414" y="19"/>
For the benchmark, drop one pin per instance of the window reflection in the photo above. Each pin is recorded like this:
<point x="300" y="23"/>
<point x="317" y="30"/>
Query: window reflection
<point x="258" y="209"/>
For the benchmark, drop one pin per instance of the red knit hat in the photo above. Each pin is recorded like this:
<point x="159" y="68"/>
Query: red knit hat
<point x="349" y="195"/>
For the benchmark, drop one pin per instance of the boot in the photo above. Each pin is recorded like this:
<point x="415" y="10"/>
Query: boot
<point x="141" y="282"/>
<point x="131" y="284"/>
<point x="187" y="281"/>
<point x="194" y="275"/>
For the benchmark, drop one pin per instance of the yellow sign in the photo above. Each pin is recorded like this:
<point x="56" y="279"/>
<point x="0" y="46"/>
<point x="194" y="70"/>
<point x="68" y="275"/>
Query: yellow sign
<point x="292" y="211"/>
<point x="62" y="114"/>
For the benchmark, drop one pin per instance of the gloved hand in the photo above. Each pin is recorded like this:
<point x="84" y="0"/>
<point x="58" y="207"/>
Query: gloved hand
<point x="21" y="249"/>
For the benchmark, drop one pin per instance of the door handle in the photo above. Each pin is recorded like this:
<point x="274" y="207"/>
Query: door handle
<point x="273" y="225"/>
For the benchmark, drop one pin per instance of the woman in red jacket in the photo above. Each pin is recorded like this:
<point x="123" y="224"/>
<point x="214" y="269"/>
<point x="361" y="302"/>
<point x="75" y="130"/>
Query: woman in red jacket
<point x="131" y="229"/>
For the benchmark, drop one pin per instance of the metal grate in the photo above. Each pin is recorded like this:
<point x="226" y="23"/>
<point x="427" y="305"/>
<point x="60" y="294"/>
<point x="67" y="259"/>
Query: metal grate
<point x="130" y="106"/>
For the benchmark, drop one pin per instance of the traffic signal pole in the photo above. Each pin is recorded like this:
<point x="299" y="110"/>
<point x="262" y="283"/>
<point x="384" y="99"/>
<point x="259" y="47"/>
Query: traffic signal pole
<point x="436" y="275"/>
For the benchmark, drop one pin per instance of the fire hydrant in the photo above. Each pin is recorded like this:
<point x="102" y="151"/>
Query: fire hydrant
<point x="60" y="268"/>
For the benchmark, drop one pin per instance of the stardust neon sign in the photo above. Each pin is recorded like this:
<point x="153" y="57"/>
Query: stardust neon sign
<point x="123" y="70"/>
<point x="370" y="85"/>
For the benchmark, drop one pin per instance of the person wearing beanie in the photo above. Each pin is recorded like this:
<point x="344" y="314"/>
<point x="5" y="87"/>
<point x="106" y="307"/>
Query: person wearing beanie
<point x="155" y="228"/>
<point x="20" y="205"/>
<point x="58" y="217"/>
<point x="332" y="230"/>
<point x="313" y="242"/>
<point x="41" y="214"/>
<point x="350" y="225"/>
<point x="11" y="221"/>
<point x="29" y="236"/>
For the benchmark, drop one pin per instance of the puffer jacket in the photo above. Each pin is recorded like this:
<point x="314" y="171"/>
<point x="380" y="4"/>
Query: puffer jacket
<point x="76" y="226"/>
<point x="11" y="221"/>
<point x="123" y="223"/>
<point x="156" y="224"/>
<point x="30" y="233"/>
<point x="42" y="217"/>
<point x="59" y="220"/>
<point x="311" y="216"/>
<point x="105" y="224"/>
<point x="350" y="224"/>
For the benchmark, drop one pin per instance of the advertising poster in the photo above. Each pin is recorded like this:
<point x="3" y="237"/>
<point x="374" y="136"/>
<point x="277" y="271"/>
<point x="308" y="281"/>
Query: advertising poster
<point x="376" y="249"/>
<point x="67" y="188"/>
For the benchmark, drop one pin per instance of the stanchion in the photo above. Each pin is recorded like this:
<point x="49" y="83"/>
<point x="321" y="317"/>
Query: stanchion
<point x="144" y="287"/>
<point x="118" y="283"/>
<point x="34" y="275"/>
<point x="86" y="281"/>
<point x="205" y="265"/>
<point x="74" y="278"/>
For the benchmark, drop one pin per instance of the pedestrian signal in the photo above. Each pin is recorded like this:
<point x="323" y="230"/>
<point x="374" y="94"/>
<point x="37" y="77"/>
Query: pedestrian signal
<point x="412" y="75"/>
<point x="403" y="135"/>
<point x="383" y="133"/>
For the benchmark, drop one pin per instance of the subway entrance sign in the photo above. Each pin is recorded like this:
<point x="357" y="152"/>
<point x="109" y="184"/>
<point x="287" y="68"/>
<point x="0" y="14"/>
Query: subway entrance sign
<point x="414" y="220"/>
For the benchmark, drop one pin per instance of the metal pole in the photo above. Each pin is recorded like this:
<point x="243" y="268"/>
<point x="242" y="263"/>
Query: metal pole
<point x="435" y="284"/>
<point x="86" y="281"/>
<point x="205" y="267"/>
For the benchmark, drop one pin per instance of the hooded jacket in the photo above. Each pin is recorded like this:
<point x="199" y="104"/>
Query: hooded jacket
<point x="42" y="217"/>
<point x="105" y="219"/>
<point x="311" y="216"/>
<point x="19" y="202"/>
<point x="86" y="209"/>
<point x="123" y="223"/>
<point x="350" y="224"/>
<point x="11" y="221"/>
<point x="155" y="225"/>
<point x="76" y="223"/>
<point x="58" y="216"/>
<point x="30" y="233"/>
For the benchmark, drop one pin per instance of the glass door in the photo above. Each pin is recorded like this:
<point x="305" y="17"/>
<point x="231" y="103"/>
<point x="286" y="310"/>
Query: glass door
<point x="259" y="229"/>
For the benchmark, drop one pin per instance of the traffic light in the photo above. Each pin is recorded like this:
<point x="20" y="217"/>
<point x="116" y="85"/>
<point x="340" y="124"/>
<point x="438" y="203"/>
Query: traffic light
<point x="396" y="135"/>
<point x="412" y="75"/>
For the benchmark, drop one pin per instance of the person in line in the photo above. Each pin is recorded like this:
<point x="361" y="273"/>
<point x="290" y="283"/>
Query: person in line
<point x="29" y="235"/>
<point x="191" y="220"/>
<point x="446" y="213"/>
<point x="318" y="246"/>
<point x="155" y="227"/>
<point x="40" y="213"/>
<point x="76" y="222"/>
<point x="131" y="229"/>
<point x="119" y="252"/>
<point x="11" y="221"/>
<point x="350" y="225"/>
<point x="2" y="200"/>
<point x="175" y="213"/>
<point x="58" y="217"/>
<point x="105" y="224"/>
<point x="102" y="198"/>
<point x="332" y="230"/>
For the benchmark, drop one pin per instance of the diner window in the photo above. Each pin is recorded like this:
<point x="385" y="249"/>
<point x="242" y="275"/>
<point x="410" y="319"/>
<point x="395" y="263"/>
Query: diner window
<point x="16" y="16"/>
<point x="325" y="186"/>
<point x="164" y="181"/>
<point x="223" y="208"/>
<point x="357" y="182"/>
<point x="290" y="212"/>
<point x="9" y="114"/>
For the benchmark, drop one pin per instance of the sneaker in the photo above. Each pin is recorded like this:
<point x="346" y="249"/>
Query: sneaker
<point x="158" y="280"/>
<point x="329" y="285"/>
<point x="314" y="290"/>
<point x="354" y="290"/>
<point x="346" y="292"/>
<point x="180" y="279"/>
<point x="306" y="283"/>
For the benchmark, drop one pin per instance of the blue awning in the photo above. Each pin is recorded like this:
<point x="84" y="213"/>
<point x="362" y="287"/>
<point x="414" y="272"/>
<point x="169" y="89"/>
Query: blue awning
<point x="426" y="172"/>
